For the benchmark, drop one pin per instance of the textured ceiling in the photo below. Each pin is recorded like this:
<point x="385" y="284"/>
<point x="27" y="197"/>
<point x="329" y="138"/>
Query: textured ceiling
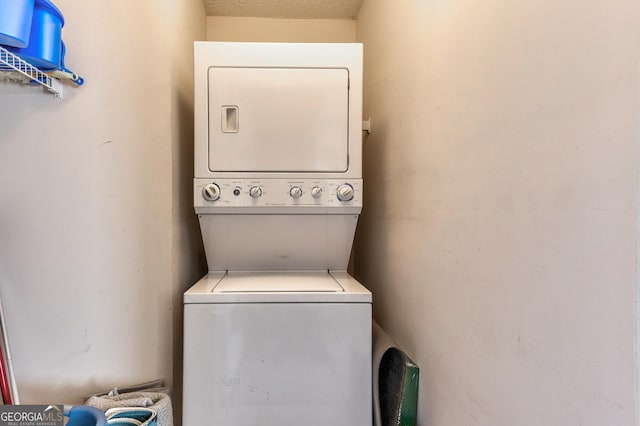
<point x="310" y="9"/>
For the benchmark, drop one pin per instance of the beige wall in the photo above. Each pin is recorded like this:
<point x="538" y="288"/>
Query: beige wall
<point x="498" y="228"/>
<point x="187" y="255"/>
<point x="223" y="28"/>
<point x="92" y="266"/>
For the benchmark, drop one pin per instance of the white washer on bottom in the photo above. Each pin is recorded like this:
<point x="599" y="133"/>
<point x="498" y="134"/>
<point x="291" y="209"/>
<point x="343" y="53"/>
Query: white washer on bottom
<point x="277" y="349"/>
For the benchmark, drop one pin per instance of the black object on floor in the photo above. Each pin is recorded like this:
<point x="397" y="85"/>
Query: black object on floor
<point x="398" y="389"/>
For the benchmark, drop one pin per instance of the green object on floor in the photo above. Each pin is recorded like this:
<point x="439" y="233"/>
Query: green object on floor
<point x="398" y="379"/>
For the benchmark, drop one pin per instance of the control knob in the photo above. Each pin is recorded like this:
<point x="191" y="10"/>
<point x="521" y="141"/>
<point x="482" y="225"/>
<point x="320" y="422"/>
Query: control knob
<point x="255" y="192"/>
<point x="295" y="192"/>
<point x="316" y="192"/>
<point x="211" y="192"/>
<point x="345" y="192"/>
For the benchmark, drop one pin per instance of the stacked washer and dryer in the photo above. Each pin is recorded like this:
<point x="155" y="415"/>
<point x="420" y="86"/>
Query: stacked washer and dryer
<point x="277" y="333"/>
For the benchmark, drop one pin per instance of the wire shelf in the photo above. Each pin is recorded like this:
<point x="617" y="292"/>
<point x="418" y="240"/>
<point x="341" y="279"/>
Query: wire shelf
<point x="12" y="63"/>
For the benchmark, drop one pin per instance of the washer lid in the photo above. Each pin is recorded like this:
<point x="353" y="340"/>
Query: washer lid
<point x="277" y="287"/>
<point x="266" y="282"/>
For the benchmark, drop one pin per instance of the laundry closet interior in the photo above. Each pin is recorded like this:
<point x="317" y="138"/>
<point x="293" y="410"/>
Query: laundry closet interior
<point x="498" y="219"/>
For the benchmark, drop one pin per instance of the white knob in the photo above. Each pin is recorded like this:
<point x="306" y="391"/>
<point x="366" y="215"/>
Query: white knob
<point x="295" y="192"/>
<point x="345" y="192"/>
<point x="316" y="192"/>
<point x="255" y="192"/>
<point x="211" y="192"/>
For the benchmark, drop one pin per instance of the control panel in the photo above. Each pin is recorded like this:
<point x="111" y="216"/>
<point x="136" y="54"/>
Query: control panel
<point x="241" y="193"/>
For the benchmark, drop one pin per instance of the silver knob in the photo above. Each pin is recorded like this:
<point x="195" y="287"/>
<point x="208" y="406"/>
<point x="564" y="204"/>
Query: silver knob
<point x="295" y="192"/>
<point x="211" y="192"/>
<point x="316" y="192"/>
<point x="345" y="192"/>
<point x="255" y="192"/>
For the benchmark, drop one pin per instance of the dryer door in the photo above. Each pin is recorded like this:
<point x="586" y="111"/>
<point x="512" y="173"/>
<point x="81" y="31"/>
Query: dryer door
<point x="278" y="119"/>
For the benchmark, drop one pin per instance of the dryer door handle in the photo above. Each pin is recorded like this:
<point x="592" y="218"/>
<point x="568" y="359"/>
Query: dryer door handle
<point x="230" y="119"/>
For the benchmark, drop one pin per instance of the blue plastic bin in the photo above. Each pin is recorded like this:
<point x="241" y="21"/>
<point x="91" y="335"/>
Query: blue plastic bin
<point x="45" y="42"/>
<point x="82" y="415"/>
<point x="15" y="22"/>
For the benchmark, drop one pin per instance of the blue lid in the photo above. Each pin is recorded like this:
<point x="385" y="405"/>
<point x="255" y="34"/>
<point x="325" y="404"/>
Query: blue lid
<point x="51" y="8"/>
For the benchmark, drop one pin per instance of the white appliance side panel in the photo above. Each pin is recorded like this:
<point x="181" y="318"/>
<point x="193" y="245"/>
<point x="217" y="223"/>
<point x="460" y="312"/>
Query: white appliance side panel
<point x="278" y="119"/>
<point x="277" y="364"/>
<point x="277" y="242"/>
